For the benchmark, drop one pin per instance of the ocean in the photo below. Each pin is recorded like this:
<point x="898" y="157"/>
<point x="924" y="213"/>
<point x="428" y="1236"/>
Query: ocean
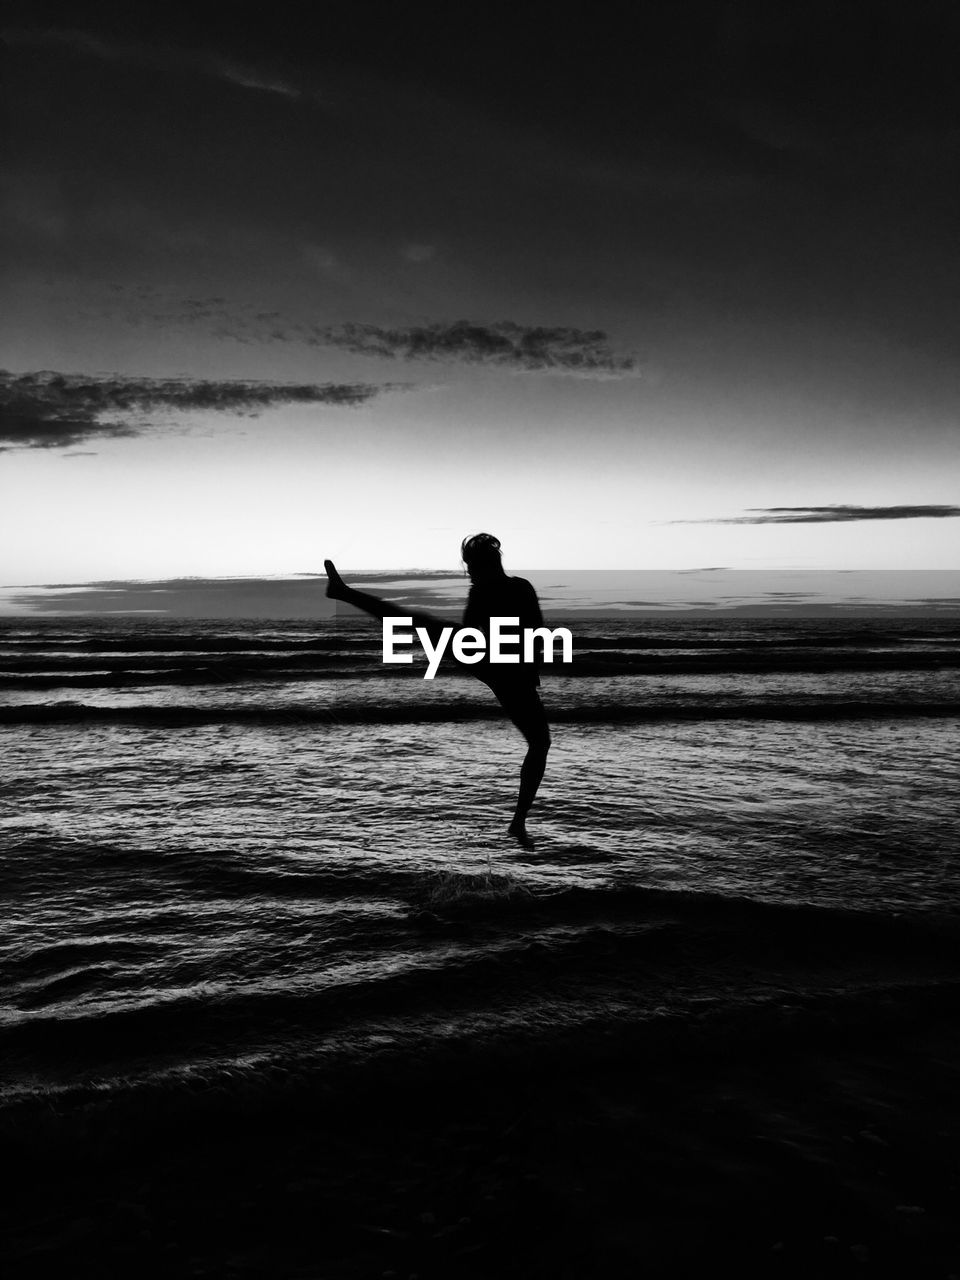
<point x="250" y="852"/>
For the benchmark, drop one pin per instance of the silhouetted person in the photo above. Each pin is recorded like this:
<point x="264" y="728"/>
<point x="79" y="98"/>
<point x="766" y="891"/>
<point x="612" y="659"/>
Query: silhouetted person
<point x="492" y="595"/>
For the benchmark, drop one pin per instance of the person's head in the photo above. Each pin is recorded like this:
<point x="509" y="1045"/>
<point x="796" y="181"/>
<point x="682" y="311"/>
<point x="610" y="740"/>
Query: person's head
<point x="481" y="555"/>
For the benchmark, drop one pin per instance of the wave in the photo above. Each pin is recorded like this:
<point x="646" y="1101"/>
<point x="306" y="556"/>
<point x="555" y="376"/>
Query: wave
<point x="707" y="977"/>
<point x="38" y="864"/>
<point x="98" y="670"/>
<point x="434" y="712"/>
<point x="185" y="642"/>
<point x="489" y="937"/>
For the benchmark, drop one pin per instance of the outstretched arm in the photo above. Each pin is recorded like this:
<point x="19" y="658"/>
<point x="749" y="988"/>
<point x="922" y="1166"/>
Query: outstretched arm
<point x="337" y="589"/>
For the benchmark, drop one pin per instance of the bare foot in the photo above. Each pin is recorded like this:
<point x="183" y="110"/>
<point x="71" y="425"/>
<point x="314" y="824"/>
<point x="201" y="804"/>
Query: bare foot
<point x="336" y="587"/>
<point x="518" y="829"/>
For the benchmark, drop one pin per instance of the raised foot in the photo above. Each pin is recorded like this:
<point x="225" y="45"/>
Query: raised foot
<point x="520" y="833"/>
<point x="336" y="587"/>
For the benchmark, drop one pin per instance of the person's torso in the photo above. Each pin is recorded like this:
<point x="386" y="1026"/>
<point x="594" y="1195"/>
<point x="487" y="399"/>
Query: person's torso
<point x="505" y="597"/>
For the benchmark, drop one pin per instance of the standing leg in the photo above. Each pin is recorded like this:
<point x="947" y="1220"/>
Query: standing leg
<point x="525" y="709"/>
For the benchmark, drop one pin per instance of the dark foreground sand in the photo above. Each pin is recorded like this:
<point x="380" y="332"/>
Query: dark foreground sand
<point x="817" y="1155"/>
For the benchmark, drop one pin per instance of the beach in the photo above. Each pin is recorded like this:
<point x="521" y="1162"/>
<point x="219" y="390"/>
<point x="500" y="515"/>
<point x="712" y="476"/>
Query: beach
<point x="816" y="1152"/>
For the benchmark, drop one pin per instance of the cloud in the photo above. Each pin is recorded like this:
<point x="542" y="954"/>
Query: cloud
<point x="54" y="410"/>
<point x="394" y="576"/>
<point x="281" y="597"/>
<point x="160" y="58"/>
<point x="324" y="261"/>
<point x="585" y="352"/>
<point x="832" y="515"/>
<point x="300" y="595"/>
<point x="248" y="77"/>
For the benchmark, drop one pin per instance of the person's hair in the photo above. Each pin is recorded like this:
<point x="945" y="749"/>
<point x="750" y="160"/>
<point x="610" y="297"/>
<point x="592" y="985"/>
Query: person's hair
<point x="480" y="548"/>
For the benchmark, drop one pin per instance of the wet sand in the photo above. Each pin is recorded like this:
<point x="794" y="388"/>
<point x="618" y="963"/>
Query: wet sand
<point x="834" y="1153"/>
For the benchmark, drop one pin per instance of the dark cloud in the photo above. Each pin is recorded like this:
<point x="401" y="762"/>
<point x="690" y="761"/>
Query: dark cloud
<point x="295" y="597"/>
<point x="832" y="515"/>
<point x="54" y="410"/>
<point x="299" y="595"/>
<point x="585" y="352"/>
<point x="366" y="578"/>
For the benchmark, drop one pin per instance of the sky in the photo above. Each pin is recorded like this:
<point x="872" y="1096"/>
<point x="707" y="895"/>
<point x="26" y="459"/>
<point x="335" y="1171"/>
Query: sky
<point x="653" y="287"/>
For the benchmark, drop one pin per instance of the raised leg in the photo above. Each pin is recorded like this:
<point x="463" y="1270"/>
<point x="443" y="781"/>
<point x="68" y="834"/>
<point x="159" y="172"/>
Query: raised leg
<point x="337" y="589"/>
